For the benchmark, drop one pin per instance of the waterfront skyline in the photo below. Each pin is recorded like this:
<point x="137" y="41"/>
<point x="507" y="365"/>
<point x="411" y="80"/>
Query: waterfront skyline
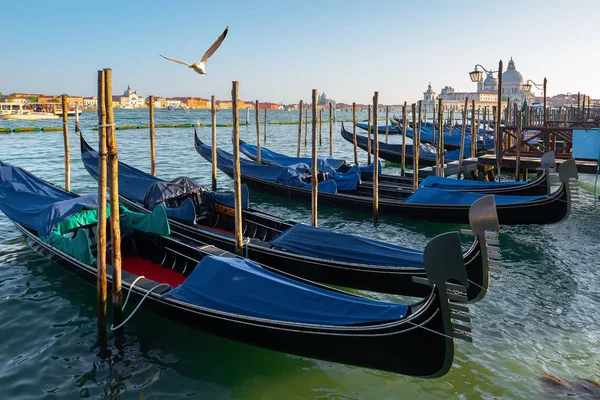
<point x="280" y="51"/>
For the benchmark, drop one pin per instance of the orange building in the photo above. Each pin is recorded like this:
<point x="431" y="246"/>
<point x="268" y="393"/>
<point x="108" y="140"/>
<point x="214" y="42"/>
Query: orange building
<point x="197" y="102"/>
<point x="73" y="101"/>
<point x="268" y="106"/>
<point x="48" y="99"/>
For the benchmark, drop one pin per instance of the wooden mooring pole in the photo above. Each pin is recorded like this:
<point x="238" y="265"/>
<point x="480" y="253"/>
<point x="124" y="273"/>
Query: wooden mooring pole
<point x="354" y="143"/>
<point x="518" y="156"/>
<point x="257" y="111"/>
<point x="237" y="186"/>
<point x="213" y="118"/>
<point x="300" y="108"/>
<point x="498" y="142"/>
<point x="152" y="150"/>
<point x="265" y="126"/>
<point x="404" y="122"/>
<point x="320" y="126"/>
<point x="113" y="183"/>
<point x="369" y="137"/>
<point x="306" y="127"/>
<point x="440" y="141"/>
<point x="77" y="130"/>
<point x="473" y="131"/>
<point x="101" y="286"/>
<point x="387" y="122"/>
<point x="65" y="121"/>
<point x="463" y="136"/>
<point x="314" y="179"/>
<point x="375" y="160"/>
<point x="330" y="130"/>
<point x="415" y="146"/>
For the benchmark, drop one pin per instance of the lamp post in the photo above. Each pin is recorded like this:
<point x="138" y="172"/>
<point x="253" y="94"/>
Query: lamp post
<point x="475" y="76"/>
<point x="527" y="88"/>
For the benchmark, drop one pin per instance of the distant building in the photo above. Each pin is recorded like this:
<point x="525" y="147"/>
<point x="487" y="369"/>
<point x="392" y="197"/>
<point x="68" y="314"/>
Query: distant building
<point x="73" y="101"/>
<point x="324" y="101"/>
<point x="268" y="106"/>
<point x="90" y="102"/>
<point x="130" y="99"/>
<point x="173" y="102"/>
<point x="428" y="99"/>
<point x="197" y="102"/>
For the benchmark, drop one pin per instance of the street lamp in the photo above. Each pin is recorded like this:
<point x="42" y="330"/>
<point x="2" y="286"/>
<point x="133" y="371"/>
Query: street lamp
<point x="476" y="74"/>
<point x="527" y="88"/>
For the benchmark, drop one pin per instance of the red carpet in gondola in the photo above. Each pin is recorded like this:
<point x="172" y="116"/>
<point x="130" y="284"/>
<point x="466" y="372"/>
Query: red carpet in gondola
<point x="139" y="266"/>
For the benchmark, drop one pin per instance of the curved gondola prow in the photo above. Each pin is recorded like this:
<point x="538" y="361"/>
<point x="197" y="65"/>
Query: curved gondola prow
<point x="444" y="265"/>
<point x="485" y="227"/>
<point x="85" y="147"/>
<point x="566" y="172"/>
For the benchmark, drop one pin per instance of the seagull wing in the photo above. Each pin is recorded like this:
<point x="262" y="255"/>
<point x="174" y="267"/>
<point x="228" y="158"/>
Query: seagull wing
<point x="177" y="61"/>
<point x="214" y="46"/>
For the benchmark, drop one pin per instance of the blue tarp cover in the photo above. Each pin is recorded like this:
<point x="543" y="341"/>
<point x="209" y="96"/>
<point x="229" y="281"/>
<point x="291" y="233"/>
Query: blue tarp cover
<point x="243" y="287"/>
<point x="452" y="137"/>
<point x="439" y="182"/>
<point x="438" y="196"/>
<point x="34" y="203"/>
<point x="381" y="128"/>
<point x="289" y="176"/>
<point x="324" y="164"/>
<point x="426" y="152"/>
<point x="320" y="243"/>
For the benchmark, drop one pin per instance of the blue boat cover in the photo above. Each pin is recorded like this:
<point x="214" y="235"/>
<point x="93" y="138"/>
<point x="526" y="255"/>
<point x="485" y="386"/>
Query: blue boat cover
<point x="320" y="243"/>
<point x="35" y="204"/>
<point x="432" y="196"/>
<point x="290" y="176"/>
<point x="324" y="164"/>
<point x="392" y="129"/>
<point x="439" y="182"/>
<point x="243" y="287"/>
<point x="426" y="152"/>
<point x="452" y="137"/>
<point x="140" y="187"/>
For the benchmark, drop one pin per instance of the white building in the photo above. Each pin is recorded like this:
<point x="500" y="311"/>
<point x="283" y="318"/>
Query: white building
<point x="176" y="103"/>
<point x="428" y="99"/>
<point x="90" y="101"/>
<point x="131" y="99"/>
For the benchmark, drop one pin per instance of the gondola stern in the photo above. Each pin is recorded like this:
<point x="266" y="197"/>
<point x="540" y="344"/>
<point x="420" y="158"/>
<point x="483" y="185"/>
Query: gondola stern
<point x="445" y="268"/>
<point x="566" y="173"/>
<point x="485" y="227"/>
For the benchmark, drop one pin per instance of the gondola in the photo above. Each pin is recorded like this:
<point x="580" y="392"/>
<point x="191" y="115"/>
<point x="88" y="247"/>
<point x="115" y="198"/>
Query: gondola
<point x="235" y="298"/>
<point x="308" y="252"/>
<point x="393" y="152"/>
<point x="451" y="137"/>
<point x="538" y="186"/>
<point x="392" y="129"/>
<point x="425" y="204"/>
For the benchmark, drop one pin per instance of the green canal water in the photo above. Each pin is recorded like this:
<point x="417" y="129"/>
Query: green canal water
<point x="541" y="314"/>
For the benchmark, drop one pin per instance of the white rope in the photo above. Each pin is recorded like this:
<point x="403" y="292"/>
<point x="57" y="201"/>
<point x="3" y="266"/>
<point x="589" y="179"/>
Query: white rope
<point x="114" y="328"/>
<point x="106" y="126"/>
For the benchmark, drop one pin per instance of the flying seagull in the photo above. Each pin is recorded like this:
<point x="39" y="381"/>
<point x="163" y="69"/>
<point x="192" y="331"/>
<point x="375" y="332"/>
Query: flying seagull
<point x="200" y="66"/>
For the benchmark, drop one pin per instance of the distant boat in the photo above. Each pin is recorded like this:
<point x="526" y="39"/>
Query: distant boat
<point x="71" y="112"/>
<point x="19" y="111"/>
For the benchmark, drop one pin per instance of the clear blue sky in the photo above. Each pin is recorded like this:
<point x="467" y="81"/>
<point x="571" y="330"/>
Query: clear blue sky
<point x="280" y="50"/>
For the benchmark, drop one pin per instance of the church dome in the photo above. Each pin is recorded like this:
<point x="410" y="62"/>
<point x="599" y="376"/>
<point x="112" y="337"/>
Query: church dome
<point x="511" y="76"/>
<point x="490" y="83"/>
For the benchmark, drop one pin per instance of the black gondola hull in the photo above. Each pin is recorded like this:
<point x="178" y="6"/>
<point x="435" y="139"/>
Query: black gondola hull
<point x="398" y="346"/>
<point x="377" y="279"/>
